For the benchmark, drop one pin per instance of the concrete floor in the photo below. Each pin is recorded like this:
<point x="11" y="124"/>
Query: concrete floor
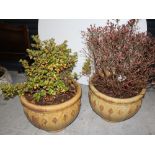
<point x="14" y="122"/>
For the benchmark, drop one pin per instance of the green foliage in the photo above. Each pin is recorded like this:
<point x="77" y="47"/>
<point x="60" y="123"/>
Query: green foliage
<point x="49" y="74"/>
<point x="86" y="69"/>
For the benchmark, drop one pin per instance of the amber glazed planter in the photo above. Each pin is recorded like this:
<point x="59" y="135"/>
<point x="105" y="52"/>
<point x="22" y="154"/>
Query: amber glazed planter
<point x="114" y="109"/>
<point x="53" y="117"/>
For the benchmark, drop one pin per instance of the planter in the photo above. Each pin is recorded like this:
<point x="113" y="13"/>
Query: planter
<point x="53" y="117"/>
<point x="114" y="109"/>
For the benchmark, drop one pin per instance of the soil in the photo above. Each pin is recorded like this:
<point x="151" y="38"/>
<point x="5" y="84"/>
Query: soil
<point x="101" y="85"/>
<point x="54" y="100"/>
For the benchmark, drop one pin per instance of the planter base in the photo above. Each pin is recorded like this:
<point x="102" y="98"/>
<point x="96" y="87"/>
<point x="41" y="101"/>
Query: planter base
<point x="53" y="118"/>
<point x="111" y="121"/>
<point x="114" y="109"/>
<point x="51" y="130"/>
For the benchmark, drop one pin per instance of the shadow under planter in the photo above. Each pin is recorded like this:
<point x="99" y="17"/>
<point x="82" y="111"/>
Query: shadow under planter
<point x="114" y="109"/>
<point x="53" y="117"/>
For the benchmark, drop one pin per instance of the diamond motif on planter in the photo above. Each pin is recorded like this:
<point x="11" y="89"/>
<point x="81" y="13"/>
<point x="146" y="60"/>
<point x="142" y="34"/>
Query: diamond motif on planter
<point x="110" y="111"/>
<point x="34" y="119"/>
<point x="101" y="107"/>
<point x="73" y="112"/>
<point x="129" y="112"/>
<point x="137" y="107"/>
<point x="44" y="122"/>
<point x="65" y="117"/>
<point x="54" y="120"/>
<point x="94" y="103"/>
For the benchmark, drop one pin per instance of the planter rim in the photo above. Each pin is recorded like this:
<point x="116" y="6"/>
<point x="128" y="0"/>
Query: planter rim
<point x="113" y="99"/>
<point x="48" y="108"/>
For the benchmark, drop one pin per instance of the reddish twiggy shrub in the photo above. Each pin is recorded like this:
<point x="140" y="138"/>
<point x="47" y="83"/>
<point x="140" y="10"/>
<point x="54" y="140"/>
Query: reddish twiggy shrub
<point x="122" y="58"/>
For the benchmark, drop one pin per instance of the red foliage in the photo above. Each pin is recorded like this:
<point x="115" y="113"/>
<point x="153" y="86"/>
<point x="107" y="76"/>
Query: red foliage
<point x="124" y="53"/>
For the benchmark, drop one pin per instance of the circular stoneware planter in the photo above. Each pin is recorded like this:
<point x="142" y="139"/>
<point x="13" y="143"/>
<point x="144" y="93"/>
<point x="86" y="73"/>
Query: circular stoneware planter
<point x="114" y="109"/>
<point x="53" y="117"/>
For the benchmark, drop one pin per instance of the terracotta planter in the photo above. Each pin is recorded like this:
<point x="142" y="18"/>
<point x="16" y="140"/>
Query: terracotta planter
<point x="114" y="109"/>
<point x="53" y="117"/>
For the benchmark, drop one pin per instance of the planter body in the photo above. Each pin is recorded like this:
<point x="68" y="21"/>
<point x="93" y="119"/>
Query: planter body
<point x="114" y="109"/>
<point x="53" y="117"/>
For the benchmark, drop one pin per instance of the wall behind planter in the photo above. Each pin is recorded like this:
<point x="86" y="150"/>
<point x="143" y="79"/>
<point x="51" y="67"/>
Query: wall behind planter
<point x="70" y="29"/>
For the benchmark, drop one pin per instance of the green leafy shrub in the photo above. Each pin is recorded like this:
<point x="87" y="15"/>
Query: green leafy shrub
<point x="50" y="72"/>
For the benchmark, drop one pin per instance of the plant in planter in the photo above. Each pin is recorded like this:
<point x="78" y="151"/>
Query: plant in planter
<point x="50" y="96"/>
<point x="121" y="59"/>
